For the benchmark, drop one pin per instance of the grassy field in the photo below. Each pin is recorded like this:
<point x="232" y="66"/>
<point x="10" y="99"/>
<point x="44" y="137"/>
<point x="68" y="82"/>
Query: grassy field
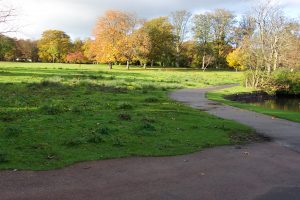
<point x="219" y="96"/>
<point x="53" y="115"/>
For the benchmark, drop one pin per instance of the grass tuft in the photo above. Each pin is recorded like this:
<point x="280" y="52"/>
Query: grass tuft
<point x="124" y="117"/>
<point x="3" y="157"/>
<point x="124" y="106"/>
<point x="12" y="131"/>
<point x="152" y="100"/>
<point x="52" y="109"/>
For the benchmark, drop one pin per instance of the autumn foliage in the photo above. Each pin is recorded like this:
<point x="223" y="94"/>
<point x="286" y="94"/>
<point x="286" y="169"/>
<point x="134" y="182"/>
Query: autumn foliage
<point x="113" y="34"/>
<point x="214" y="39"/>
<point x="76" y="57"/>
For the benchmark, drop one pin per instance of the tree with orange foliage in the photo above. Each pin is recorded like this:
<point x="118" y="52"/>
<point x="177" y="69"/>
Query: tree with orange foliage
<point x="111" y="34"/>
<point x="76" y="58"/>
<point x="142" y="46"/>
<point x="135" y="47"/>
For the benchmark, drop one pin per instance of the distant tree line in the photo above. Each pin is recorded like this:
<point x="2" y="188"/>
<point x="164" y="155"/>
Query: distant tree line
<point x="262" y="41"/>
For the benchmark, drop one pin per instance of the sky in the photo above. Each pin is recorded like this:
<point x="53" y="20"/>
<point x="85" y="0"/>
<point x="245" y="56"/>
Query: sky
<point x="77" y="17"/>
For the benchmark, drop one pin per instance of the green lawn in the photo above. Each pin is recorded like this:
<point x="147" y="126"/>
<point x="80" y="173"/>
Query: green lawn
<point x="219" y="96"/>
<point x="53" y="115"/>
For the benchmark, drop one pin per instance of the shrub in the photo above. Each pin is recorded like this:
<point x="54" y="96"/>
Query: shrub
<point x="283" y="82"/>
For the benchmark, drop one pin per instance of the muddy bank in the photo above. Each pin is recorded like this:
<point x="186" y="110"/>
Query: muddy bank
<point x="251" y="97"/>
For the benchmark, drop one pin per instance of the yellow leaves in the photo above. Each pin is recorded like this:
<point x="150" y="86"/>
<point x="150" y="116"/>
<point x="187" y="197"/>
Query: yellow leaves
<point x="235" y="59"/>
<point x="112" y="36"/>
<point x="54" y="46"/>
<point x="117" y="39"/>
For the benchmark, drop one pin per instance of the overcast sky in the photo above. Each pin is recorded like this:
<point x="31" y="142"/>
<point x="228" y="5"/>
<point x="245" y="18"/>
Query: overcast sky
<point x="77" y="17"/>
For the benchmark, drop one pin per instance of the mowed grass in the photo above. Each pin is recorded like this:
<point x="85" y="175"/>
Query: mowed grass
<point x="54" y="115"/>
<point x="220" y="97"/>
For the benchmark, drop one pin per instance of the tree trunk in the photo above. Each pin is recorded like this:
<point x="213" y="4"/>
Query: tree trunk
<point x="275" y="61"/>
<point x="203" y="62"/>
<point x="110" y="66"/>
<point x="177" y="55"/>
<point x="127" y="64"/>
<point x="152" y="63"/>
<point x="145" y="65"/>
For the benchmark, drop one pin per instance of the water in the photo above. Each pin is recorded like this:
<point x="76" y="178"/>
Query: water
<point x="280" y="103"/>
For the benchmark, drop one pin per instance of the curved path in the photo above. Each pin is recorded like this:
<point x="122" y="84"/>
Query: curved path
<point x="284" y="132"/>
<point x="266" y="171"/>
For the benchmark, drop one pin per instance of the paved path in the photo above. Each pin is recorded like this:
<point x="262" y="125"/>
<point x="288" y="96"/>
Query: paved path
<point x="258" y="171"/>
<point x="285" y="132"/>
<point x="266" y="171"/>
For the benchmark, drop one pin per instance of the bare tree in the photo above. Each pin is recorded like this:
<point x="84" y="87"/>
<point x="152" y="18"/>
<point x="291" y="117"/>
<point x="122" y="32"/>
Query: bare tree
<point x="180" y="20"/>
<point x="244" y="30"/>
<point x="273" y="41"/>
<point x="7" y="15"/>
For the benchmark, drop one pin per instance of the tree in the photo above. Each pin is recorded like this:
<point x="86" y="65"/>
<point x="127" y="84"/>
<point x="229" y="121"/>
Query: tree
<point x="162" y="40"/>
<point x="77" y="45"/>
<point x="244" y="30"/>
<point x="269" y="46"/>
<point x="7" y="48"/>
<point x="128" y="44"/>
<point x="76" y="57"/>
<point x="127" y="49"/>
<point x="203" y="36"/>
<point x="110" y="35"/>
<point x="26" y="50"/>
<point x="54" y="46"/>
<point x="89" y="50"/>
<point x="180" y="21"/>
<point x="142" y="46"/>
<point x="290" y="54"/>
<point x="235" y="60"/>
<point x="222" y="28"/>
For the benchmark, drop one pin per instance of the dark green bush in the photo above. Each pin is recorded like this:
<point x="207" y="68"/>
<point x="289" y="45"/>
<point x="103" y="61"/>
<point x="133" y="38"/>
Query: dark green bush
<point x="283" y="82"/>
